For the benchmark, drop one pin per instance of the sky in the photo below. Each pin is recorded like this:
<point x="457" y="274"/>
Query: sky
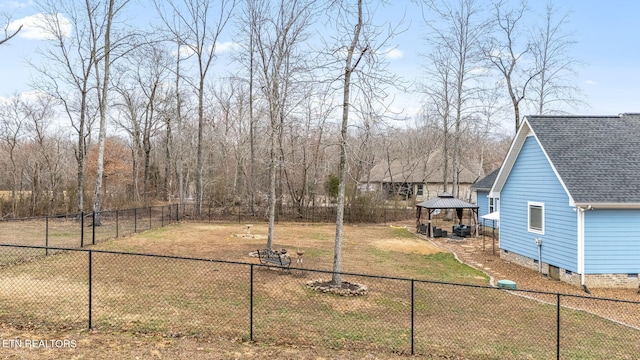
<point x="606" y="33"/>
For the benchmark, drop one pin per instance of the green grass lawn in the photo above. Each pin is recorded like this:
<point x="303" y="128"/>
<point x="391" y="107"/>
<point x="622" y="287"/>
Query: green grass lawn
<point x="178" y="297"/>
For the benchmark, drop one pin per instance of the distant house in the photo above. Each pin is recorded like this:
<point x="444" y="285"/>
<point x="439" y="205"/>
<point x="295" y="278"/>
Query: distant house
<point x="486" y="205"/>
<point x="415" y="180"/>
<point x="569" y="197"/>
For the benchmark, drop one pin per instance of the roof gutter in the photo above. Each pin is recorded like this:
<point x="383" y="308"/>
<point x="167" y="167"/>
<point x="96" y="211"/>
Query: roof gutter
<point x="603" y="205"/>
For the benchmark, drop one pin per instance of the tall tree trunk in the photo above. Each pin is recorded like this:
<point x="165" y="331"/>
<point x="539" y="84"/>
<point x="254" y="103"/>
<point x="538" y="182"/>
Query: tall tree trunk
<point x="272" y="188"/>
<point x="200" y="159"/>
<point x="97" y="196"/>
<point x="252" y="155"/>
<point x="350" y="66"/>
<point x="179" y="167"/>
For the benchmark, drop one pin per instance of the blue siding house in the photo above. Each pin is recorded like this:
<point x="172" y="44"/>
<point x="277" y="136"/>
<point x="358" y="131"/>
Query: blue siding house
<point x="569" y="197"/>
<point x="486" y="205"/>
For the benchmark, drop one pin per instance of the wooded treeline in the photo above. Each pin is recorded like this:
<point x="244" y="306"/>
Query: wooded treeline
<point x="128" y="114"/>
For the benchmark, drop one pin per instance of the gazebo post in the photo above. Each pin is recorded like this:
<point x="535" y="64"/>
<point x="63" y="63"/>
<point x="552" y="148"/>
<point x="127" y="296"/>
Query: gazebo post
<point x="476" y="221"/>
<point x="493" y="237"/>
<point x="418" y="213"/>
<point x="483" y="226"/>
<point x="429" y="229"/>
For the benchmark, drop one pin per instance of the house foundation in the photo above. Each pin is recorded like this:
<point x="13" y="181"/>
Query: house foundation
<point x="628" y="281"/>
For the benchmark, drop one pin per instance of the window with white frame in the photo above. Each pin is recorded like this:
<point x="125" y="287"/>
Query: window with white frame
<point x="536" y="217"/>
<point x="492" y="207"/>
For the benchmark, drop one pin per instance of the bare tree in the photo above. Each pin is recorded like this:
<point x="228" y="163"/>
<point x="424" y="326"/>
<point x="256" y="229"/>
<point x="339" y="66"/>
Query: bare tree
<point x="277" y="31"/>
<point x="12" y="122"/>
<point x="354" y="53"/>
<point x="232" y="128"/>
<point x="505" y="53"/>
<point x="440" y="99"/>
<point x="358" y="50"/>
<point x="457" y="56"/>
<point x="193" y="25"/>
<point x="550" y="45"/>
<point x="103" y="63"/>
<point x="490" y="110"/>
<point x="48" y="157"/>
<point x="305" y="145"/>
<point x="142" y="95"/>
<point x="8" y="32"/>
<point x="68" y="73"/>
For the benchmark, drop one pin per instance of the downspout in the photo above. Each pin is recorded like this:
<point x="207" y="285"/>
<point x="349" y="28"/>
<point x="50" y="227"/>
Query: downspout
<point x="581" y="245"/>
<point x="581" y="250"/>
<point x="538" y="242"/>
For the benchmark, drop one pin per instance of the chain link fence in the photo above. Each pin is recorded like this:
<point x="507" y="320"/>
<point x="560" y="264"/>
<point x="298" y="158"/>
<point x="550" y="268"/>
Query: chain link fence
<point x="79" y="230"/>
<point x="73" y="288"/>
<point x="315" y="214"/>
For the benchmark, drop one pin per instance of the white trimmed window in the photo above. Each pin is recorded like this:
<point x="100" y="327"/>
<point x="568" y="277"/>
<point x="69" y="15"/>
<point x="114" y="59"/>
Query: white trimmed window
<point x="536" y="217"/>
<point x="492" y="207"/>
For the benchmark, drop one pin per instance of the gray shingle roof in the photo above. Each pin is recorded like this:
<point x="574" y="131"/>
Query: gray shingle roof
<point x="597" y="158"/>
<point x="486" y="182"/>
<point x="446" y="201"/>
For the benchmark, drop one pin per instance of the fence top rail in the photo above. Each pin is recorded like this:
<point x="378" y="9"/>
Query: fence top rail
<point x="56" y="216"/>
<point x="86" y="214"/>
<point x="317" y="271"/>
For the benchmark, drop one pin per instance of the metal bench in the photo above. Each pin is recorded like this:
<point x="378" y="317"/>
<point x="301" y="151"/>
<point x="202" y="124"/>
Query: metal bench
<point x="274" y="258"/>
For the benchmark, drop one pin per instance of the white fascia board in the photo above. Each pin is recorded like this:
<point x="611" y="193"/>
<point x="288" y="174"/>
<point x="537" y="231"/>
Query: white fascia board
<point x="589" y="206"/>
<point x="510" y="159"/>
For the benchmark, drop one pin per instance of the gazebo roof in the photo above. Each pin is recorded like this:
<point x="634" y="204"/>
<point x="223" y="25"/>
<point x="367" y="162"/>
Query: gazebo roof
<point x="446" y="201"/>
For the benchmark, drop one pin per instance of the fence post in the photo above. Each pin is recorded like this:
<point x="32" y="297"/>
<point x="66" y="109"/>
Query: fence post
<point x="46" y="236"/>
<point x="81" y="228"/>
<point x="93" y="228"/>
<point x="90" y="286"/>
<point x="251" y="303"/>
<point x="558" y="326"/>
<point x="412" y="315"/>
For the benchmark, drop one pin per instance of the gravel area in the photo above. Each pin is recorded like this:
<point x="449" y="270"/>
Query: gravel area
<point x="470" y="251"/>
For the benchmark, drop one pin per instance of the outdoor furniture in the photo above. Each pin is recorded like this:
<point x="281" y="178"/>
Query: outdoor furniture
<point x="437" y="232"/>
<point x="461" y="230"/>
<point x="274" y="258"/>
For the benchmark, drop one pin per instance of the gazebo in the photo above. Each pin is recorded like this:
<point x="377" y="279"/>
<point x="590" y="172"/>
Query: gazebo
<point x="446" y="201"/>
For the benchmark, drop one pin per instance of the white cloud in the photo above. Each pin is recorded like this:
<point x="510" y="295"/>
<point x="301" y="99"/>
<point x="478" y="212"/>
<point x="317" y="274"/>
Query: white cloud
<point x="27" y="96"/>
<point x="227" y="46"/>
<point x="185" y="51"/>
<point x="189" y="50"/>
<point x="394" y="53"/>
<point x="590" y="82"/>
<point x="33" y="26"/>
<point x="480" y="70"/>
<point x="16" y="4"/>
